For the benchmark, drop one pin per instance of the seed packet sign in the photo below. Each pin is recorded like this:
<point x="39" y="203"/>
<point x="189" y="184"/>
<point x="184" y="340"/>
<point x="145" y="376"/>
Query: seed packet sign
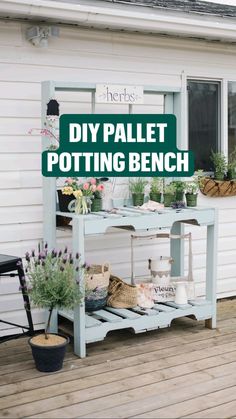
<point x="117" y="145"/>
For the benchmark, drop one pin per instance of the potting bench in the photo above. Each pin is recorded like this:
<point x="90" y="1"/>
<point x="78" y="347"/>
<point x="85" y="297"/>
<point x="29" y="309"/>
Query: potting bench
<point x="92" y="327"/>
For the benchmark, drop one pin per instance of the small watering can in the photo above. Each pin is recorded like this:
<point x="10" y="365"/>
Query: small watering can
<point x="160" y="269"/>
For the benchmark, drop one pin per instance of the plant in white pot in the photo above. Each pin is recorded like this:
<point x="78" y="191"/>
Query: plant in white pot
<point x="53" y="282"/>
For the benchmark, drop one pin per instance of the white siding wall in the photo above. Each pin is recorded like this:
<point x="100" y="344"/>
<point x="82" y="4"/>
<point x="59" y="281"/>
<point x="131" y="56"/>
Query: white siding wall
<point x="89" y="56"/>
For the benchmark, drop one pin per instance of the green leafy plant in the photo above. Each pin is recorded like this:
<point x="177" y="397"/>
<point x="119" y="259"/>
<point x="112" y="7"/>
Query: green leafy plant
<point x="220" y="165"/>
<point x="137" y="185"/>
<point x="231" y="169"/>
<point x="169" y="189"/>
<point x="156" y="185"/>
<point x="52" y="280"/>
<point x="179" y="185"/>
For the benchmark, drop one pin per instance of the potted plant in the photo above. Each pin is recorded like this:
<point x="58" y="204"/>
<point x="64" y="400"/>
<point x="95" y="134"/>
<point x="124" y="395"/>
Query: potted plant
<point x="52" y="284"/>
<point x="180" y="188"/>
<point x="97" y="188"/>
<point x="219" y="161"/>
<point x="66" y="193"/>
<point x="137" y="187"/>
<point x="169" y="194"/>
<point x="156" y="189"/>
<point x="231" y="169"/>
<point x="192" y="189"/>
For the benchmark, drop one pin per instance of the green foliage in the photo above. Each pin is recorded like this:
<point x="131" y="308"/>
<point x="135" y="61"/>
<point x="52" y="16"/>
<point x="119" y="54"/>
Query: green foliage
<point x="52" y="281"/>
<point x="137" y="185"/>
<point x="220" y="165"/>
<point x="232" y="160"/>
<point x="192" y="186"/>
<point x="170" y="189"/>
<point x="156" y="185"/>
<point x="179" y="185"/>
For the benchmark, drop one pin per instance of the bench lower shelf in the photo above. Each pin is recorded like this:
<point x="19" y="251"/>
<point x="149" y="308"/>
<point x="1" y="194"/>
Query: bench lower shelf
<point x="99" y="323"/>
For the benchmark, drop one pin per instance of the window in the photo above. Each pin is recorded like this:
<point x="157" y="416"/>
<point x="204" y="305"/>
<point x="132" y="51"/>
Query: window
<point x="231" y="116"/>
<point x="204" y="127"/>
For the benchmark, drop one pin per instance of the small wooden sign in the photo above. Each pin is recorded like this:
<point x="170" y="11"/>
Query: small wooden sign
<point x="119" y="94"/>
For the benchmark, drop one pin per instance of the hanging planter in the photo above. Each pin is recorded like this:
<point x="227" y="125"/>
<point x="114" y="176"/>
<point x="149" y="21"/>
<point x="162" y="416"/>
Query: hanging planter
<point x="216" y="188"/>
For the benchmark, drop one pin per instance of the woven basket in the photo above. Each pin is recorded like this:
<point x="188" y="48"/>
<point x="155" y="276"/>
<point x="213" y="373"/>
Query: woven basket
<point x="96" y="286"/>
<point x="120" y="294"/>
<point x="97" y="276"/>
<point x="216" y="188"/>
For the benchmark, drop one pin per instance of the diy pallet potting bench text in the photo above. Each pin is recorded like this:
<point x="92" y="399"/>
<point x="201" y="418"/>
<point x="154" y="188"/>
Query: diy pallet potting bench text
<point x="92" y="327"/>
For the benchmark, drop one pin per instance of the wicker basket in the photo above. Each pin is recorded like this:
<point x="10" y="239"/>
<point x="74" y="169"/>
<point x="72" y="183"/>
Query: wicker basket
<point x="121" y="295"/>
<point x="217" y="188"/>
<point x="96" y="286"/>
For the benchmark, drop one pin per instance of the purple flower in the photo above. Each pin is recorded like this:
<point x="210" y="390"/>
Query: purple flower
<point x="46" y="246"/>
<point x="33" y="253"/>
<point x="59" y="253"/>
<point x="66" y="249"/>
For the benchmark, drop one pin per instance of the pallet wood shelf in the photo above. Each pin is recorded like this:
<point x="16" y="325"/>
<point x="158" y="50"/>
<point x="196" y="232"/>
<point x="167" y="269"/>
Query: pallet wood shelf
<point x="94" y="326"/>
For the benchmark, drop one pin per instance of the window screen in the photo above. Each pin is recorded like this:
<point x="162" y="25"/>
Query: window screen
<point x="203" y="110"/>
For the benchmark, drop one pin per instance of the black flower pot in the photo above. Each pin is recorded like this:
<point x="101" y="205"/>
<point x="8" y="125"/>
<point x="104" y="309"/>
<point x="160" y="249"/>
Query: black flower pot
<point x="64" y="201"/>
<point x="168" y="199"/>
<point x="49" y="358"/>
<point x="179" y="195"/>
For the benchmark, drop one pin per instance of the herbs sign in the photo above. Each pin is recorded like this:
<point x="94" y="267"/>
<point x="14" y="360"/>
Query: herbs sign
<point x="116" y="93"/>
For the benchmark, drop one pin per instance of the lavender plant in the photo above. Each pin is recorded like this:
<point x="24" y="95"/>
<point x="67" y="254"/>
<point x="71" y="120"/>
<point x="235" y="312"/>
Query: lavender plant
<point x="53" y="280"/>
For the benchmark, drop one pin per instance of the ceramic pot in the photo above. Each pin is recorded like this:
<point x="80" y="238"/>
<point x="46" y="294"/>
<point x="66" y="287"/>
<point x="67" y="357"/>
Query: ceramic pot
<point x="160" y="269"/>
<point x="49" y="358"/>
<point x="181" y="296"/>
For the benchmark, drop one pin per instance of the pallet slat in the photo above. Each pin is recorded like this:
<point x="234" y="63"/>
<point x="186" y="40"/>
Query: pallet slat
<point x="91" y="321"/>
<point x="126" y="314"/>
<point x="107" y="316"/>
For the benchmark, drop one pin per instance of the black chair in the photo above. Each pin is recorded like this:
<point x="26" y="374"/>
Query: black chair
<point x="9" y="264"/>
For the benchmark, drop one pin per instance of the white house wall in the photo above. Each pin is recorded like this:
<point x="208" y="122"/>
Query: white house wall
<point x="91" y="56"/>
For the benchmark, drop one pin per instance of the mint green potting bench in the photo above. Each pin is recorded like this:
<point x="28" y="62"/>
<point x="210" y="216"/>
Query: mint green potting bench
<point x="94" y="326"/>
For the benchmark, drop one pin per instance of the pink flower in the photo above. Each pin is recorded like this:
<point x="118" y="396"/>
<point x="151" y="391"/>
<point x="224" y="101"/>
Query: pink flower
<point x="93" y="181"/>
<point x="100" y="187"/>
<point x="69" y="180"/>
<point x="93" y="188"/>
<point x="86" y="186"/>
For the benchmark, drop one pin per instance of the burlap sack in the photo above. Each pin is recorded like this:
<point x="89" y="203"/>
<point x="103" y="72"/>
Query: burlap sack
<point x="121" y="294"/>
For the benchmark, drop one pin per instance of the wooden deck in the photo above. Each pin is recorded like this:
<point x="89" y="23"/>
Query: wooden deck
<point x="183" y="371"/>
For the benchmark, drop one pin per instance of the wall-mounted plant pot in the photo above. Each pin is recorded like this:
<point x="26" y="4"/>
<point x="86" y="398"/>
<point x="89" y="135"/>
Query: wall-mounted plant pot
<point x="138" y="199"/>
<point x="216" y="188"/>
<point x="191" y="199"/>
<point x="155" y="196"/>
<point x="168" y="199"/>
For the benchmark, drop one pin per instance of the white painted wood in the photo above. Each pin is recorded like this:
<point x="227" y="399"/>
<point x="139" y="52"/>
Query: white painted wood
<point x="105" y="57"/>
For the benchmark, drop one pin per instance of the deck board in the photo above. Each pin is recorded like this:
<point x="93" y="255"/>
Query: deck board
<point x="187" y="366"/>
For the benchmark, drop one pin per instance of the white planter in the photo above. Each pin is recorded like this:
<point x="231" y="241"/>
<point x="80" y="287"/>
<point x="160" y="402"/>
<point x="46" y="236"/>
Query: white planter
<point x="160" y="269"/>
